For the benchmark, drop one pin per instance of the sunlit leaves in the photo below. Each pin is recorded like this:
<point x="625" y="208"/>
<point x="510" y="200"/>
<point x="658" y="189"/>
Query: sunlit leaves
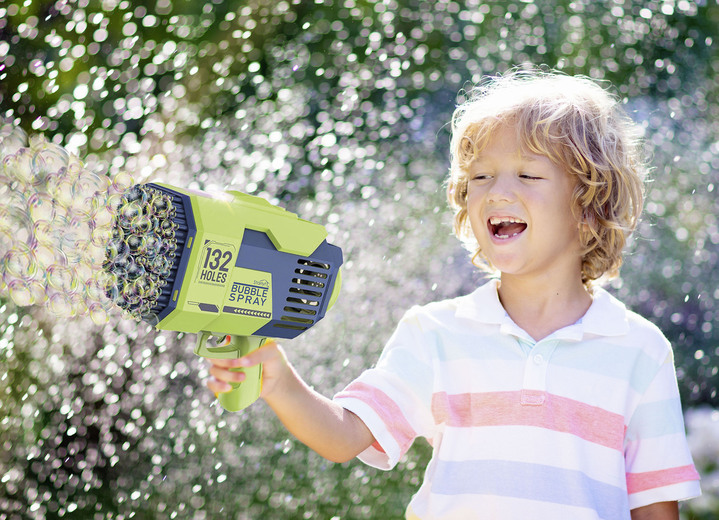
<point x="338" y="110"/>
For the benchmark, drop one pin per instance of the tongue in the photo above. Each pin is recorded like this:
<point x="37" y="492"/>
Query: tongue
<point x="510" y="229"/>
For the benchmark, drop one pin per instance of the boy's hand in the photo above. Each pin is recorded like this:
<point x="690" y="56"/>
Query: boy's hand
<point x="275" y="367"/>
<point x="323" y="425"/>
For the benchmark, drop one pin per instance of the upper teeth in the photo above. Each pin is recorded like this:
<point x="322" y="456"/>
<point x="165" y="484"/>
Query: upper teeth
<point x="495" y="221"/>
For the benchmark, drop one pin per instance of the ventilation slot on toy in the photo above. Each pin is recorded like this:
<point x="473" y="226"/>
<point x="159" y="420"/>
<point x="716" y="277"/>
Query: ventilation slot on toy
<point x="299" y="310"/>
<point x="306" y="293"/>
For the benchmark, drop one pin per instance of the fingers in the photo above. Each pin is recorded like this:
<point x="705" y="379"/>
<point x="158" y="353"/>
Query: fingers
<point x="226" y="371"/>
<point x="227" y="363"/>
<point x="265" y="353"/>
<point x="218" y="387"/>
<point x="228" y="375"/>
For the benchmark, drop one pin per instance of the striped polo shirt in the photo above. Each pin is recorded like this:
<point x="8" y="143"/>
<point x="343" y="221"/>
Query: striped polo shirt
<point x="584" y="424"/>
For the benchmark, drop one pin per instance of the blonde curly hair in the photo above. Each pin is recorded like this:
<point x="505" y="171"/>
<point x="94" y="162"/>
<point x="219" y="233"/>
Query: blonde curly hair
<point x="581" y="128"/>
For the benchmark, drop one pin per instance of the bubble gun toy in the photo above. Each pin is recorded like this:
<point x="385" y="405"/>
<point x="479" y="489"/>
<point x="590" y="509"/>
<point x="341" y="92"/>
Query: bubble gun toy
<point x="231" y="267"/>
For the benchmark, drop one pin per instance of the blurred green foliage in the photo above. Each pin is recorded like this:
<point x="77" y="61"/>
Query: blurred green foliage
<point x="336" y="109"/>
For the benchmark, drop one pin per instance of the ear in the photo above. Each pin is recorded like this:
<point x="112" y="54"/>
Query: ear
<point x="588" y="224"/>
<point x="589" y="218"/>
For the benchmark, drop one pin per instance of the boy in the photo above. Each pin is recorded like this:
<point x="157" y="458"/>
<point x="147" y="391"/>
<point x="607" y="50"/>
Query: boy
<point x="543" y="396"/>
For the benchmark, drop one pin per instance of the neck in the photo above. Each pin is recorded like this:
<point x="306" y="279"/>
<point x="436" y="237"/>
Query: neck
<point x="542" y="307"/>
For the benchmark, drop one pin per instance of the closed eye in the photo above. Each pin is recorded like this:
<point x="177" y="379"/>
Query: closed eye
<point x="529" y="176"/>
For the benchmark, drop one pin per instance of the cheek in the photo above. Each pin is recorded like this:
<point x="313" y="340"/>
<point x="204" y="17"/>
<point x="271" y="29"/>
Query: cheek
<point x="562" y="217"/>
<point x="558" y="208"/>
<point x="474" y="205"/>
<point x="475" y="196"/>
<point x="477" y="225"/>
<point x="565" y="219"/>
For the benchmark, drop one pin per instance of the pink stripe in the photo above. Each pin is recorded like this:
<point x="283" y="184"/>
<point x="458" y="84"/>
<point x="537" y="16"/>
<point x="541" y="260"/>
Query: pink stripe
<point x="637" y="482"/>
<point x="388" y="411"/>
<point x="530" y="408"/>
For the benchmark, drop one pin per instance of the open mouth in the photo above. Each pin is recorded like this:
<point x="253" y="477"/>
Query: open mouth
<point x="506" y="227"/>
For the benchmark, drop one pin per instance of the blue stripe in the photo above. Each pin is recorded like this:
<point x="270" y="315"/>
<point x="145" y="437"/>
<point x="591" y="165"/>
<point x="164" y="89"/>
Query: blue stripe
<point x="469" y="347"/>
<point x="610" y="360"/>
<point x="405" y="365"/>
<point x="530" y="481"/>
<point x="657" y="419"/>
<point x="595" y="357"/>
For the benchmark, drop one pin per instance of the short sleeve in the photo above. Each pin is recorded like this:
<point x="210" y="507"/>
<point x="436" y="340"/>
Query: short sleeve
<point x="659" y="465"/>
<point x="394" y="398"/>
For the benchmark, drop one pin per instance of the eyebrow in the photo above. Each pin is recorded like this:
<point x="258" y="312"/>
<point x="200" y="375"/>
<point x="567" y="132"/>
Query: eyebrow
<point x="532" y="158"/>
<point x="524" y="157"/>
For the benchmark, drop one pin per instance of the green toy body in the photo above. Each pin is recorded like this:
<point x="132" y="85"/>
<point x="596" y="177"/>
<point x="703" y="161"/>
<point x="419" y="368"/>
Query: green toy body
<point x="246" y="270"/>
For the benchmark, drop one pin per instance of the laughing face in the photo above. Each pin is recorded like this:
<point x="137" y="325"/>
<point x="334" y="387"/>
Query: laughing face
<point x="519" y="209"/>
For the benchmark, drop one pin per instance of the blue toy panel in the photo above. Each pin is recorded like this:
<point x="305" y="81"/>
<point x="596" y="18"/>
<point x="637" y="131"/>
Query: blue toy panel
<point x="185" y="220"/>
<point x="301" y="286"/>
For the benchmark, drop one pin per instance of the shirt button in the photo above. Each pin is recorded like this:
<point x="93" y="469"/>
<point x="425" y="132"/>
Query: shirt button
<point x="538" y="359"/>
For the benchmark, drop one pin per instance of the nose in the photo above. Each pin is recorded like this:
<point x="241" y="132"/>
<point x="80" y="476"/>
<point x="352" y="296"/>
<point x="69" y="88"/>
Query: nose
<point x="501" y="189"/>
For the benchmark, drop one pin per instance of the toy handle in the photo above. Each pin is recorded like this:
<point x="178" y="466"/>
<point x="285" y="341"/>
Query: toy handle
<point x="242" y="394"/>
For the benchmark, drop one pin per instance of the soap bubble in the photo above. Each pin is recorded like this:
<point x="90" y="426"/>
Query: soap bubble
<point x="48" y="159"/>
<point x="98" y="313"/>
<point x="60" y="188"/>
<point x="135" y="242"/>
<point x="141" y="250"/>
<point x="135" y="271"/>
<point x="41" y="206"/>
<point x="122" y="182"/>
<point x="103" y="219"/>
<point x="89" y="184"/>
<point x="60" y="303"/>
<point x="115" y="248"/>
<point x="84" y="269"/>
<point x="7" y="228"/>
<point x="20" y="262"/>
<point x="109" y="282"/>
<point x="120" y="265"/>
<point x="37" y="289"/>
<point x="12" y="138"/>
<point x="94" y="291"/>
<point x="20" y="292"/>
<point x="45" y="255"/>
<point x="129" y="214"/>
<point x="160" y="206"/>
<point x="43" y="231"/>
<point x="167" y="230"/>
<point x="136" y="194"/>
<point x="94" y="254"/>
<point x="18" y="166"/>
<point x="56" y="227"/>
<point x="15" y="199"/>
<point x="61" y="278"/>
<point x="151" y="247"/>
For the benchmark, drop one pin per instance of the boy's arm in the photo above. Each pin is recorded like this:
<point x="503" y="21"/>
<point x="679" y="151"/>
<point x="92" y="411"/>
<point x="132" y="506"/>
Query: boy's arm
<point x="330" y="430"/>
<point x="658" y="511"/>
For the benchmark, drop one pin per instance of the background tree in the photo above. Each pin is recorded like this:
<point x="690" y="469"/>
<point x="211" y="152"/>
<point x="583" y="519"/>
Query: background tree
<point x="337" y="110"/>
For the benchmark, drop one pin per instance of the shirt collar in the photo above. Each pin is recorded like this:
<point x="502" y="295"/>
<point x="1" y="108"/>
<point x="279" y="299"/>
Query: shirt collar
<point x="606" y="316"/>
<point x="483" y="305"/>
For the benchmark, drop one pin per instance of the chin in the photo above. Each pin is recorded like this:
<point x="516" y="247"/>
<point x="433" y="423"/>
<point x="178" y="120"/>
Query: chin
<point x="508" y="268"/>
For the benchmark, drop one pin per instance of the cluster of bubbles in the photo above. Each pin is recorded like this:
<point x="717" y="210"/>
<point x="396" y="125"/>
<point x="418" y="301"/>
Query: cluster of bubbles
<point x="141" y="252"/>
<point x="56" y="220"/>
